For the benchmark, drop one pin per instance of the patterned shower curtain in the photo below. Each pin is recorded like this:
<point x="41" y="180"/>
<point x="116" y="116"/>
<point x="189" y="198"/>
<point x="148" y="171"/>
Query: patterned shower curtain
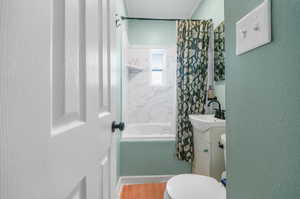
<point x="219" y="52"/>
<point x="192" y="63"/>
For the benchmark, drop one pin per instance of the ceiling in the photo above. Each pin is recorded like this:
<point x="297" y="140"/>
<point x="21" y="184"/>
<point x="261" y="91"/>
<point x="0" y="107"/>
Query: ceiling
<point x="161" y="8"/>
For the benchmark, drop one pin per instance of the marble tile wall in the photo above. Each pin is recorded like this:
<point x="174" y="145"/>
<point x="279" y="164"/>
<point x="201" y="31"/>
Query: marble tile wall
<point x="146" y="103"/>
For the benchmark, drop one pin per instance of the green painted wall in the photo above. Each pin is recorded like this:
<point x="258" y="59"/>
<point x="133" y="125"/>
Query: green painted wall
<point x="210" y="9"/>
<point x="151" y="158"/>
<point x="263" y="103"/>
<point x="152" y="33"/>
<point x="213" y="9"/>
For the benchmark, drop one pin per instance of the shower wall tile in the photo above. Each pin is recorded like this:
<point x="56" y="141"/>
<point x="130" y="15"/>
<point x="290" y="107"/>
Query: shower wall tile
<point x="146" y="103"/>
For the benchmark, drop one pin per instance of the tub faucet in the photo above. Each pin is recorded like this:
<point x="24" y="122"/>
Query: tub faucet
<point x="219" y="113"/>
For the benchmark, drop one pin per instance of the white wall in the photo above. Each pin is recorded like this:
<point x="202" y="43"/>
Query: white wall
<point x="146" y="103"/>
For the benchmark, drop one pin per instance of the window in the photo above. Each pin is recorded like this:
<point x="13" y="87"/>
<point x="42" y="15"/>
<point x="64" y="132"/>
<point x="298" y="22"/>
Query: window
<point x="158" y="67"/>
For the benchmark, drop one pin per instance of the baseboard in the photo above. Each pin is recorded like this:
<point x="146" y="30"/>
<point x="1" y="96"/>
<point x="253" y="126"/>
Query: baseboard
<point x="125" y="180"/>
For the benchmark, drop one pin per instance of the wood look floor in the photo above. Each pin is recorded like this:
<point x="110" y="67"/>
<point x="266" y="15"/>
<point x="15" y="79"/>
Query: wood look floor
<point x="143" y="191"/>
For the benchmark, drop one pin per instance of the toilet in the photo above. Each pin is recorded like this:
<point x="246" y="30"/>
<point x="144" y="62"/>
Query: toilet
<point x="192" y="186"/>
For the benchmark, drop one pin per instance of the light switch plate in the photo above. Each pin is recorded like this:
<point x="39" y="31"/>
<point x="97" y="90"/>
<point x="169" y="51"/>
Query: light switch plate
<point x="254" y="29"/>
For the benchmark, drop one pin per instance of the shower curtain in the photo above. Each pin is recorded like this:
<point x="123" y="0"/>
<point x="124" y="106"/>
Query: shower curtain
<point x="219" y="52"/>
<point x="192" y="64"/>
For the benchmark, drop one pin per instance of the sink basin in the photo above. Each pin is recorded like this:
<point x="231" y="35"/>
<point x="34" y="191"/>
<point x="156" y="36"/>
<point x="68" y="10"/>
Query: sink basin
<point x="204" y="122"/>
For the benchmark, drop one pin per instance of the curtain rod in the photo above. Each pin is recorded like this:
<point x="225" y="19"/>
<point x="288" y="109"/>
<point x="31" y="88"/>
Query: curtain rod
<point x="154" y="19"/>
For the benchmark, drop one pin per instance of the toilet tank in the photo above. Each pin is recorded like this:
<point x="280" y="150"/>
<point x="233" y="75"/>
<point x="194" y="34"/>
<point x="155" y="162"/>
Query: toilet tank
<point x="208" y="157"/>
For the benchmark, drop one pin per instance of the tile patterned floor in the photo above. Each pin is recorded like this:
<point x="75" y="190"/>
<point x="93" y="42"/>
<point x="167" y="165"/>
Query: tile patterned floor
<point x="143" y="191"/>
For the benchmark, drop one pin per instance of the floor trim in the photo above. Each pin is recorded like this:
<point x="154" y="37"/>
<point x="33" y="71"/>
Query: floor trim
<point x="125" y="180"/>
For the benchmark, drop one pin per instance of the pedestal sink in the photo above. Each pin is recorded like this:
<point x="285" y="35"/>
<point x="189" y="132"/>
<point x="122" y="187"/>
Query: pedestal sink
<point x="204" y="122"/>
<point x="208" y="156"/>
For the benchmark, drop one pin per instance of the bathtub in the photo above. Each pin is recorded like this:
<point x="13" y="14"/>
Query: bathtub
<point x="148" y="149"/>
<point x="148" y="131"/>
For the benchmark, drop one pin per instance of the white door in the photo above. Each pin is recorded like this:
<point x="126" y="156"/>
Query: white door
<point x="57" y="104"/>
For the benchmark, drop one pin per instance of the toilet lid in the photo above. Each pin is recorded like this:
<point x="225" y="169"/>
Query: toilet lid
<point x="191" y="186"/>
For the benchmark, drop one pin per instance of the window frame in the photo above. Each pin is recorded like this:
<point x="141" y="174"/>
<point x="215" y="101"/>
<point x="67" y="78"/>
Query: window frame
<point x="162" y="68"/>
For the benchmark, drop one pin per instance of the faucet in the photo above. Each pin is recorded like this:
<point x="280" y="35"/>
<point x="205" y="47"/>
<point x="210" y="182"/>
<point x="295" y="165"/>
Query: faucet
<point x="219" y="113"/>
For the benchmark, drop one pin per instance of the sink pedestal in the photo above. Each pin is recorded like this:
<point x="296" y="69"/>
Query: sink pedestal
<point x="209" y="157"/>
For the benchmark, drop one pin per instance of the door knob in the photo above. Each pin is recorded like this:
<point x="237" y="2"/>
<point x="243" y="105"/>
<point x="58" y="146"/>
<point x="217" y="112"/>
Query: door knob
<point x="115" y="125"/>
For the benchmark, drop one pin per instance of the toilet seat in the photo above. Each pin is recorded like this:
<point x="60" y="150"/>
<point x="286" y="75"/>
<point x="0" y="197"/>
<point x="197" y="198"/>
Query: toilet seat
<point x="192" y="186"/>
